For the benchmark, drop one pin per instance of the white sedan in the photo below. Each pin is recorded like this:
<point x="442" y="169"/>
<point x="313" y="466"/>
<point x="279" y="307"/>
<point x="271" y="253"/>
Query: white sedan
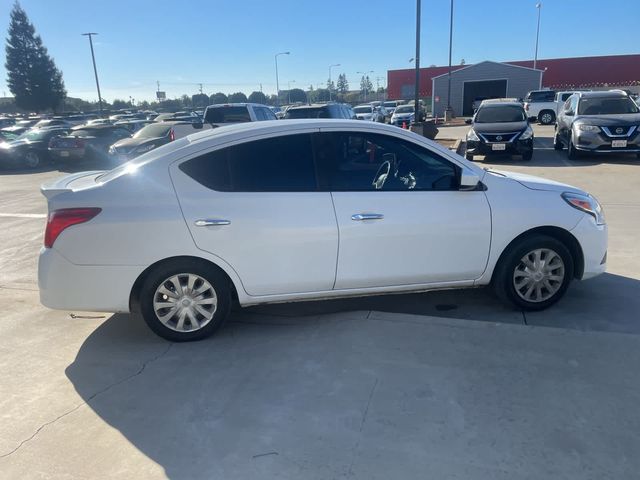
<point x="290" y="210"/>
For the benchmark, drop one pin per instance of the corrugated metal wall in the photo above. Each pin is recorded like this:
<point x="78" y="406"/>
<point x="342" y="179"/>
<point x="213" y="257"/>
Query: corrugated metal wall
<point x="519" y="82"/>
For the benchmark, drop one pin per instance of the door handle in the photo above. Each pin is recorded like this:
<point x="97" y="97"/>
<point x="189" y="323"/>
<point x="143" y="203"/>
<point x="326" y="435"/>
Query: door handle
<point x="366" y="216"/>
<point x="211" y="222"/>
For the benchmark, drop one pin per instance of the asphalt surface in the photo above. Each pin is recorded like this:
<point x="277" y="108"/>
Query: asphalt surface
<point x="440" y="385"/>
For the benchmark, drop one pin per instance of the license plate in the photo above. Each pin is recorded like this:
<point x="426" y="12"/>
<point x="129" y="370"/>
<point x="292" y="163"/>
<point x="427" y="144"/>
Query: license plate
<point x="64" y="153"/>
<point x="619" y="144"/>
<point x="499" y="146"/>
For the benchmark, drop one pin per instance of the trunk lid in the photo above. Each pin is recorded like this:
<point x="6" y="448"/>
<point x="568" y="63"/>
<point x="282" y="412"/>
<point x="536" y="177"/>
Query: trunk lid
<point x="70" y="183"/>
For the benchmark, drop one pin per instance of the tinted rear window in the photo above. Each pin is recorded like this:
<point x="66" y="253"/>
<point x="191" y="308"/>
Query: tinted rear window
<point x="274" y="164"/>
<point x="315" y="112"/>
<point x="546" y="96"/>
<point x="153" y="131"/>
<point x="227" y="115"/>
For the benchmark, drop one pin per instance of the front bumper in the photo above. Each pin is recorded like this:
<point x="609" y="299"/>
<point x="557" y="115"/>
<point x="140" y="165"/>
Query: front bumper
<point x="598" y="142"/>
<point x="517" y="147"/>
<point x="94" y="288"/>
<point x="593" y="239"/>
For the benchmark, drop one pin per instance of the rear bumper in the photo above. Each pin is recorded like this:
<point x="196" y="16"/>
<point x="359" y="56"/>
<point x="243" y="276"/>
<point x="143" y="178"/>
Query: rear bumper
<point x="67" y="154"/>
<point x="94" y="288"/>
<point x="594" y="241"/>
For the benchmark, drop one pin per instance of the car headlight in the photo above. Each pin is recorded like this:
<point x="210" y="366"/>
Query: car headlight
<point x="471" y="135"/>
<point x="145" y="148"/>
<point x="587" y="204"/>
<point x="112" y="150"/>
<point x="527" y="134"/>
<point x="588" y="128"/>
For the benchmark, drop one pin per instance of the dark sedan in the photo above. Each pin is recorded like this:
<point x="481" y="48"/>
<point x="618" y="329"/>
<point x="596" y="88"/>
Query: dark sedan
<point x="30" y="149"/>
<point x="86" y="142"/>
<point x="500" y="127"/>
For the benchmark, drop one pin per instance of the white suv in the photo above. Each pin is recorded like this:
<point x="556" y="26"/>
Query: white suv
<point x="306" y="209"/>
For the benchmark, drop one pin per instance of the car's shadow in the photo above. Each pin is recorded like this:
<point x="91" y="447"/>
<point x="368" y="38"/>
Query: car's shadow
<point x="204" y="409"/>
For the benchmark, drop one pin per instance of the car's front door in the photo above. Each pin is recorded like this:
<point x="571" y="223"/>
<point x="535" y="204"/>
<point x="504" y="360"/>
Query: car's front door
<point x="402" y="218"/>
<point x="256" y="206"/>
<point x="565" y="119"/>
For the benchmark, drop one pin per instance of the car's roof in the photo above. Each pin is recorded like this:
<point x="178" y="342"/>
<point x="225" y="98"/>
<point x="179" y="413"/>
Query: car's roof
<point x="364" y="105"/>
<point x="311" y="105"/>
<point x="242" y="104"/>
<point x="96" y="127"/>
<point x="493" y="103"/>
<point x="603" y="94"/>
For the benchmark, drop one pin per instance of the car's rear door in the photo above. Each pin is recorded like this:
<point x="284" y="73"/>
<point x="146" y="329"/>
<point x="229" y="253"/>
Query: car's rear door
<point x="255" y="204"/>
<point x="414" y="226"/>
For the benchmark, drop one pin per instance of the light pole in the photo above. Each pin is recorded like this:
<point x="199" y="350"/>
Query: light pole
<point x="277" y="80"/>
<point x="416" y="105"/>
<point x="448" y="113"/>
<point x="365" y="86"/>
<point x="329" y="86"/>
<point x="95" y="70"/>
<point x="535" y="57"/>
<point x="289" y="90"/>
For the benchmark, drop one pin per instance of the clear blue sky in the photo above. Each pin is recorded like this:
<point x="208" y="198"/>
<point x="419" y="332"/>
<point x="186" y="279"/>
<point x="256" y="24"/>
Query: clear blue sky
<point x="230" y="45"/>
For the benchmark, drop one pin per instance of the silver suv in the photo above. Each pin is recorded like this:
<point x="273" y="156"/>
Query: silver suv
<point x="598" y="122"/>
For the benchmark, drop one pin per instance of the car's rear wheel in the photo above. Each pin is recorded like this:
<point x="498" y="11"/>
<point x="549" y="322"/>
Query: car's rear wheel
<point x="32" y="159"/>
<point x="185" y="300"/>
<point x="534" y="273"/>
<point x="557" y="143"/>
<point x="572" y="153"/>
<point x="546" y="117"/>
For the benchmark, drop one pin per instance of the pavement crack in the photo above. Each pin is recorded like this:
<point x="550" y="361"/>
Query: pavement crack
<point x="88" y="400"/>
<point x="524" y="318"/>
<point x="362" y="422"/>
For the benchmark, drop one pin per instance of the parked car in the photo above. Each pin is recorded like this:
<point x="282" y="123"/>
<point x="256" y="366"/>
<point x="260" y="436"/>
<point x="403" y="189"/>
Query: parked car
<point x="383" y="114"/>
<point x="52" y="123"/>
<point x="390" y="106"/>
<point x="321" y="110"/>
<point x="246" y="212"/>
<point x="86" y="142"/>
<point x="598" y="122"/>
<point x="150" y="137"/>
<point x="20" y="127"/>
<point x="99" y="121"/>
<point x="30" y="148"/>
<point x="366" y="112"/>
<point x="132" y="125"/>
<point x="7" y="122"/>
<point x="403" y="115"/>
<point x="500" y="126"/>
<point x="223" y="114"/>
<point x="544" y="108"/>
<point x="6" y="136"/>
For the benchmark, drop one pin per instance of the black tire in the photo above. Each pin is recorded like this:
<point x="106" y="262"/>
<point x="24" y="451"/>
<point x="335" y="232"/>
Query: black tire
<point x="32" y="159"/>
<point x="572" y="153"/>
<point x="527" y="156"/>
<point x="557" y="143"/>
<point x="546" y="117"/>
<point x="503" y="276"/>
<point x="161" y="274"/>
<point x="468" y="156"/>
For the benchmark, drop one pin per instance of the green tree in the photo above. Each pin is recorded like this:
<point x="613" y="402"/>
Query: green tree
<point x="343" y="84"/>
<point x="199" y="100"/>
<point x="237" y="97"/>
<point x="322" y="95"/>
<point x="32" y="76"/>
<point x="258" y="97"/>
<point x="331" y="86"/>
<point x="218" y="98"/>
<point x="120" y="104"/>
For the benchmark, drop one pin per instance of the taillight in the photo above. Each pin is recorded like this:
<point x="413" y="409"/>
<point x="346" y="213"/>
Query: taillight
<point x="172" y="135"/>
<point x="59" y="220"/>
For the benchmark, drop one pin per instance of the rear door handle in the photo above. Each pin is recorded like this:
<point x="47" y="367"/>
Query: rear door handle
<point x="366" y="216"/>
<point x="210" y="222"/>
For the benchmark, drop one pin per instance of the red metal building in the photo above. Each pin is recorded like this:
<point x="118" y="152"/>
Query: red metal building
<point x="560" y="73"/>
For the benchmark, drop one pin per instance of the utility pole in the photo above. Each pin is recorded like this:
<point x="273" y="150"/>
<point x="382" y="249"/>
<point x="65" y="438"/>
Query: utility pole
<point x="535" y="58"/>
<point x="417" y="60"/>
<point x="277" y="80"/>
<point x="329" y="86"/>
<point x="200" y="88"/>
<point x="95" y="70"/>
<point x="448" y="113"/>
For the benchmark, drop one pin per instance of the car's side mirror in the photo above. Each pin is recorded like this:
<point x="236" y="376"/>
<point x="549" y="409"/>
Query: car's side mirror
<point x="469" y="121"/>
<point x="468" y="179"/>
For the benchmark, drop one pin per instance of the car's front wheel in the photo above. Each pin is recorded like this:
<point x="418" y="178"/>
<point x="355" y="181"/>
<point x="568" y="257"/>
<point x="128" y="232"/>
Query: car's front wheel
<point x="32" y="159"/>
<point x="534" y="273"/>
<point x="185" y="300"/>
<point x="572" y="153"/>
<point x="546" y="117"/>
<point x="527" y="156"/>
<point x="557" y="143"/>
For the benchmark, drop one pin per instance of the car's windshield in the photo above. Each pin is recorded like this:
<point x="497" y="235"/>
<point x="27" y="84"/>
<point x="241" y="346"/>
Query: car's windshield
<point x="606" y="106"/>
<point x="389" y="104"/>
<point x="153" y="131"/>
<point x="32" y="135"/>
<point x="363" y="109"/>
<point x="405" y="109"/>
<point x="227" y="115"/>
<point x="315" y="112"/>
<point x="500" y="114"/>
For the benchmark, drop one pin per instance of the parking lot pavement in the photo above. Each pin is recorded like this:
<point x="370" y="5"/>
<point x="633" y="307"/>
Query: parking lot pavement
<point x="444" y="384"/>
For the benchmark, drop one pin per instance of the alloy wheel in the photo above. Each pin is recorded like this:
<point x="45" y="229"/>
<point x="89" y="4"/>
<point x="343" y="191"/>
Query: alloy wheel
<point x="539" y="275"/>
<point x="185" y="302"/>
<point x="32" y="159"/>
